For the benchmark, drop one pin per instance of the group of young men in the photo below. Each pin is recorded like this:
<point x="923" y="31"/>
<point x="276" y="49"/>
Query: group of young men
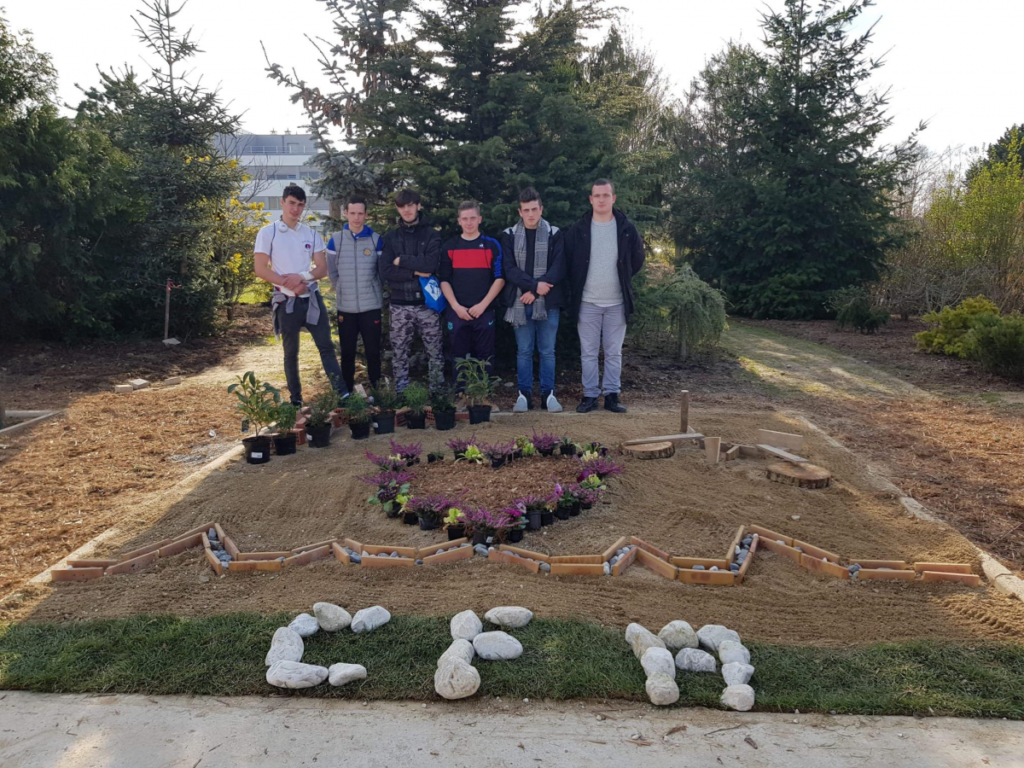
<point x="528" y="277"/>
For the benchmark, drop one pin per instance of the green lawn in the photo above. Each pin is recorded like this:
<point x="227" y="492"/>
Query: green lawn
<point x="223" y="656"/>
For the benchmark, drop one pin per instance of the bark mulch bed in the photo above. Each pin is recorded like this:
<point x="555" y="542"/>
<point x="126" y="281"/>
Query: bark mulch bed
<point x="478" y="484"/>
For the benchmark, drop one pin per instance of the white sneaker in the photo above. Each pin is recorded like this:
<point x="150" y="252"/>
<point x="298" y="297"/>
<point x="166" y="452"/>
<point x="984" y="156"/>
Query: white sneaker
<point x="553" y="405"/>
<point x="521" y="406"/>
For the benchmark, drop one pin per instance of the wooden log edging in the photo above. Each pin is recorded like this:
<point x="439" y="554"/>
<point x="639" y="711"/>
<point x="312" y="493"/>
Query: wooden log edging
<point x="689" y="570"/>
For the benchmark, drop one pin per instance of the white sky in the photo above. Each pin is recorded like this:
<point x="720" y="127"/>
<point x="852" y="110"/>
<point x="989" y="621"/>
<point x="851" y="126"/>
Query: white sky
<point x="956" y="69"/>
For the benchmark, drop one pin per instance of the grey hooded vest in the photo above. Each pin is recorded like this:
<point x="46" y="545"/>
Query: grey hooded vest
<point x="352" y="267"/>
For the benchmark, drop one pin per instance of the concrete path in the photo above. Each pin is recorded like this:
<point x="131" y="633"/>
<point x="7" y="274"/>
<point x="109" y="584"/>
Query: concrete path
<point x="76" y="731"/>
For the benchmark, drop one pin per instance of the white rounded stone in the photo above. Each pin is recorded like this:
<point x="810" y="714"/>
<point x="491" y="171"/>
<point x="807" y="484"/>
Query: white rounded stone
<point x="738" y="697"/>
<point x="331" y="617"/>
<point x="286" y="646"/>
<point x="497" y="646"/>
<point x="509" y="616"/>
<point x="456" y="679"/>
<point x="369" y="619"/>
<point x="710" y="635"/>
<point x="339" y="674"/>
<point x="304" y="625"/>
<point x="295" y="674"/>
<point x="466" y="626"/>
<point x="643" y="641"/>
<point x="730" y="651"/>
<point x="678" y="635"/>
<point x="735" y="673"/>
<point x="459" y="649"/>
<point x="695" y="660"/>
<point x="658" y="660"/>
<point x="662" y="689"/>
<point x="633" y="630"/>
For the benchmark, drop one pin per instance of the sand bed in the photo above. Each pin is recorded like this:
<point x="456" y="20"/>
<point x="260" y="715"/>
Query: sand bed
<point x="680" y="504"/>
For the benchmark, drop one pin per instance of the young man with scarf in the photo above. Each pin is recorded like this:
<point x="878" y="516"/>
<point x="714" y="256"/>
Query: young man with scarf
<point x="291" y="256"/>
<point x="534" y="267"/>
<point x="471" y="279"/>
<point x="604" y="251"/>
<point x="352" y="255"/>
<point x="412" y="250"/>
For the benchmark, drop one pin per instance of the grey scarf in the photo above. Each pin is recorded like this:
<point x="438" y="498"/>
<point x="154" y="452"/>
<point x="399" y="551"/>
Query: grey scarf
<point x="516" y="314"/>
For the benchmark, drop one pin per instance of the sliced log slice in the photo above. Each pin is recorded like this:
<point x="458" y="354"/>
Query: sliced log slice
<point x="802" y="475"/>
<point x="651" y="450"/>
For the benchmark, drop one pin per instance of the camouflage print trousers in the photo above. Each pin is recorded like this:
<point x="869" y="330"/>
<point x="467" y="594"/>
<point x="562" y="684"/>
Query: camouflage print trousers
<point x="406" y="321"/>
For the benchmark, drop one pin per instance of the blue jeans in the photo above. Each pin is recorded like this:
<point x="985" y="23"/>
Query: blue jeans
<point x="540" y="334"/>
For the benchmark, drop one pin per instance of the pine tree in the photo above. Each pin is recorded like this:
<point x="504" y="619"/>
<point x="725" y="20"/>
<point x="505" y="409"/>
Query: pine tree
<point x="783" y="195"/>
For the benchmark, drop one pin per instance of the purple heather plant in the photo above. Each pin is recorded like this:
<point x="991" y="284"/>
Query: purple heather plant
<point x="409" y="452"/>
<point x="479" y="519"/>
<point x="431" y="507"/>
<point x="497" y="450"/>
<point x="545" y="441"/>
<point x="563" y="496"/>
<point x="510" y="518"/>
<point x="601" y="466"/>
<point x="460" y="444"/>
<point x="531" y="502"/>
<point x="386" y="463"/>
<point x="386" y="479"/>
<point x="588" y="496"/>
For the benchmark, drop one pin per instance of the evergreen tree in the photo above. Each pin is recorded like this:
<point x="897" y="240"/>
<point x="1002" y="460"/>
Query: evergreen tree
<point x="165" y="125"/>
<point x="1001" y="152"/>
<point x="783" y="191"/>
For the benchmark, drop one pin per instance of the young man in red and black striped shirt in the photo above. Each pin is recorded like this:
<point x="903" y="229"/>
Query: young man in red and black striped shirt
<point x="471" y="279"/>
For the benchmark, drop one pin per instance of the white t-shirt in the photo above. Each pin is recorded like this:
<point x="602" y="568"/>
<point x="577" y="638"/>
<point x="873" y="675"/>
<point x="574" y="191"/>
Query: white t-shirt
<point x="290" y="250"/>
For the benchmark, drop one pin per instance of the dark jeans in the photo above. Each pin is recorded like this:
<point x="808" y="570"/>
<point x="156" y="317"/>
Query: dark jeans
<point x="352" y="325"/>
<point x="290" y="326"/>
<point x="472" y="337"/>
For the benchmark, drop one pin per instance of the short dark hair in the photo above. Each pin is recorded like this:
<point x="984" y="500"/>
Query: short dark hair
<point x="528" y="195"/>
<point x="294" y="190"/>
<point x="407" y="197"/>
<point x="356" y="200"/>
<point x="469" y="205"/>
<point x="603" y="183"/>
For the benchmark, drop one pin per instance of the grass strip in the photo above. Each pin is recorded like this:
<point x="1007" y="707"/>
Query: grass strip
<point x="563" y="659"/>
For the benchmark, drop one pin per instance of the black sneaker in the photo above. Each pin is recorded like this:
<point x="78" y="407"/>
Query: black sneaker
<point x="611" y="403"/>
<point x="544" y="400"/>
<point x="587" y="404"/>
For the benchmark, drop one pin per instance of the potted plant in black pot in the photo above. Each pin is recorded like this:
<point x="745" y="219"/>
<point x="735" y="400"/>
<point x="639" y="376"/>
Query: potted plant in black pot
<point x="498" y="453"/>
<point x="284" y="440"/>
<point x="319" y="421"/>
<point x="455" y="523"/>
<point x="416" y="397"/>
<point x="589" y="490"/>
<point x="564" y="502"/>
<point x="478" y="385"/>
<point x="566" y="447"/>
<point x="533" y="507"/>
<point x="409" y="453"/>
<point x="385" y="402"/>
<point x="435" y="456"/>
<point x="257" y="403"/>
<point x="481" y="524"/>
<point x="392" y="491"/>
<point x="524" y="448"/>
<point x="358" y="415"/>
<point x="460" y="444"/>
<point x="442" y="405"/>
<point x="430" y="509"/>
<point x="545" y="443"/>
<point x="513" y="521"/>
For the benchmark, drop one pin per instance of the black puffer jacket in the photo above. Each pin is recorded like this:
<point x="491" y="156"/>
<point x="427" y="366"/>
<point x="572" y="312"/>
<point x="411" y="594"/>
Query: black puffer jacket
<point x="418" y="246"/>
<point x="577" y="254"/>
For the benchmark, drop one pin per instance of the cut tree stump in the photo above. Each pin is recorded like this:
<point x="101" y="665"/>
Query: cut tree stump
<point x="651" y="450"/>
<point x="801" y="475"/>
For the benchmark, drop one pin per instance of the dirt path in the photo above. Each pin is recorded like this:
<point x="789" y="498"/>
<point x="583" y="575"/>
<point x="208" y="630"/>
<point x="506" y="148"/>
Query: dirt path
<point x="143" y="732"/>
<point x="959" y="455"/>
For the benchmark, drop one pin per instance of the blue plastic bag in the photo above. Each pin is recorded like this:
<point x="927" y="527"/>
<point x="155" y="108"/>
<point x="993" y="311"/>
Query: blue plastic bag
<point x="432" y="294"/>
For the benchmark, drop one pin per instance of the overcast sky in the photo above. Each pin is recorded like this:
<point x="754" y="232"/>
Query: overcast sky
<point x="955" y="69"/>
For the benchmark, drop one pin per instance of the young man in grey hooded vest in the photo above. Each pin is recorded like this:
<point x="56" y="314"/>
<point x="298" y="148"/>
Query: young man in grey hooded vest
<point x="352" y="256"/>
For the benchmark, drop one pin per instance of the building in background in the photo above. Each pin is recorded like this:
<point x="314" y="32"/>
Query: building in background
<point x="273" y="161"/>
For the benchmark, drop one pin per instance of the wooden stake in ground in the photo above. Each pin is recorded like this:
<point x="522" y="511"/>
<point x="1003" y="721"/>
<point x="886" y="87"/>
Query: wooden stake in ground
<point x="684" y="411"/>
<point x="802" y="475"/>
<point x="650" y="450"/>
<point x="712" y="447"/>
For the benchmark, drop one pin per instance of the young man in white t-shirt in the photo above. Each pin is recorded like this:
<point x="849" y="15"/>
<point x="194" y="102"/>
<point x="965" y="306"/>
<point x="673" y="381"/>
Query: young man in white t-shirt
<point x="292" y="256"/>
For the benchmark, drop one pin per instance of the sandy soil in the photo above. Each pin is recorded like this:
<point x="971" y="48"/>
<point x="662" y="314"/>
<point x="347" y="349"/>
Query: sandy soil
<point x="680" y="504"/>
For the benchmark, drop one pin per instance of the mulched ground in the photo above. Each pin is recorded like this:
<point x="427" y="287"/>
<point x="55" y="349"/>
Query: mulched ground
<point x="493" y="488"/>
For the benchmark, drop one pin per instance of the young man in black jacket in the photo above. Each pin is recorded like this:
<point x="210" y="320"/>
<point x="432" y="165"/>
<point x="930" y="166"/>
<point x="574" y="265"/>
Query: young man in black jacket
<point x="604" y="251"/>
<point x="412" y="250"/>
<point x="534" y="268"/>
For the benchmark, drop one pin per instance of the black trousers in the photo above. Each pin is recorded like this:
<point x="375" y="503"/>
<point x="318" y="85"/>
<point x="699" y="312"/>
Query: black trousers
<point x="352" y="325"/>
